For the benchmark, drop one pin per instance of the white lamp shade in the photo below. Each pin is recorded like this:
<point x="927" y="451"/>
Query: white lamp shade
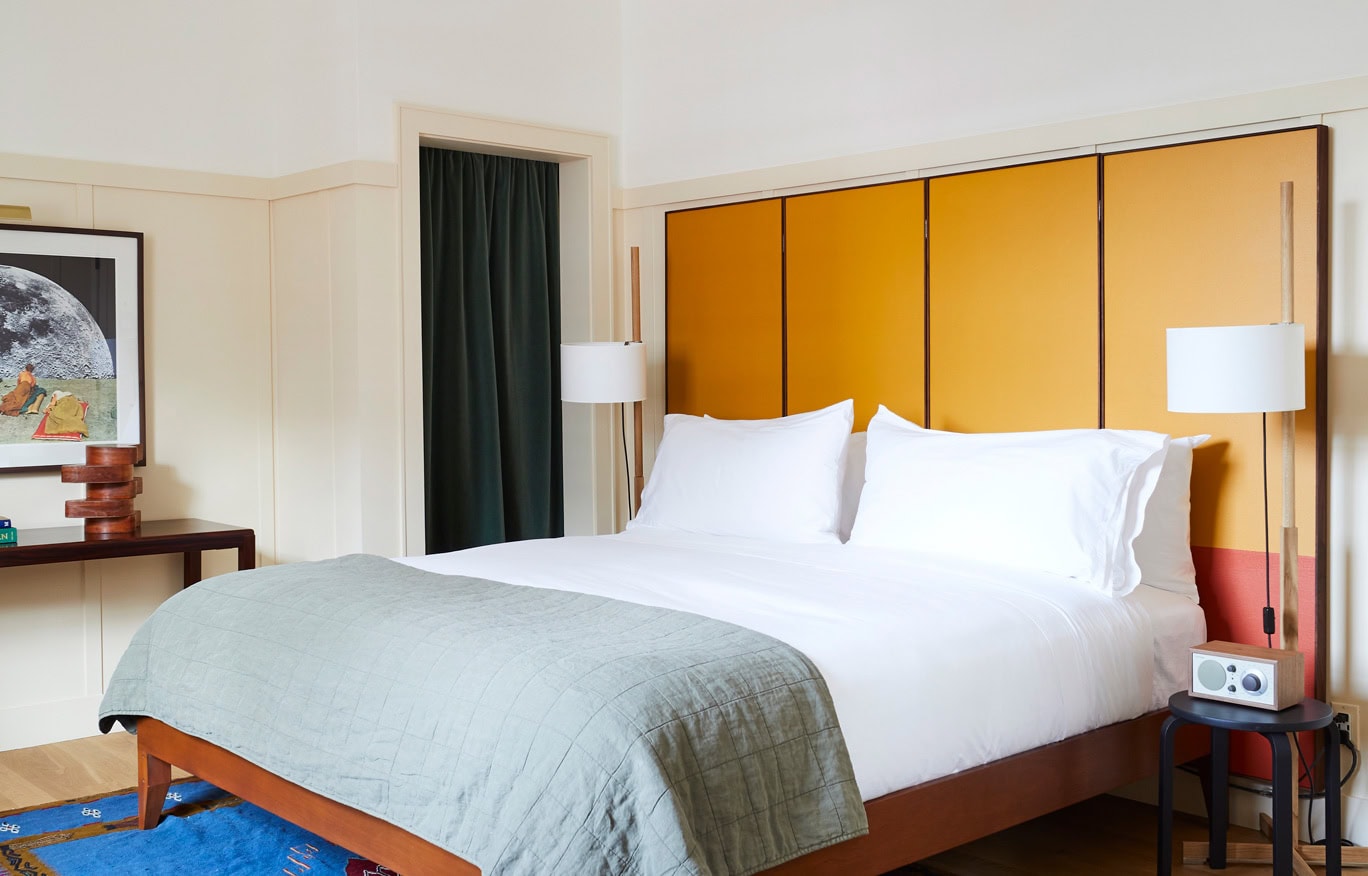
<point x="1237" y="369"/>
<point x="603" y="371"/>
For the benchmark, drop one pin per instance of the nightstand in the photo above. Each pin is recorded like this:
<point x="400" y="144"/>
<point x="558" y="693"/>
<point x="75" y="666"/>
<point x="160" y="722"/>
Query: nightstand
<point x="1222" y="718"/>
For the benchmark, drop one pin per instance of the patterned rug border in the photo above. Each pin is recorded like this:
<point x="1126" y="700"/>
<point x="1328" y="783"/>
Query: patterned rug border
<point x="89" y="798"/>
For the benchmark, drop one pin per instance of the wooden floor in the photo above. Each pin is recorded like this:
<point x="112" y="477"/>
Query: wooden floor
<point x="67" y="770"/>
<point x="1105" y="835"/>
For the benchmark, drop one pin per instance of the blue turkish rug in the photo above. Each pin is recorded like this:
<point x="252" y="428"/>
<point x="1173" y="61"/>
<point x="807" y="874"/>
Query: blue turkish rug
<point x="205" y="832"/>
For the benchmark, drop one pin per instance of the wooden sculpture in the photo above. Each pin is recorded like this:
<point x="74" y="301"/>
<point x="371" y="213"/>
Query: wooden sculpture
<point x="110" y="488"/>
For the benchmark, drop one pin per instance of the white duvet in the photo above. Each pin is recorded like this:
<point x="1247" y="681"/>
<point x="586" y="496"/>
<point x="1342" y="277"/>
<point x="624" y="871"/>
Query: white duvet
<point x="934" y="665"/>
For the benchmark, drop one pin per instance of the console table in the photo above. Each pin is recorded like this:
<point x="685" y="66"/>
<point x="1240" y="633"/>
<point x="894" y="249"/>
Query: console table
<point x="188" y="537"/>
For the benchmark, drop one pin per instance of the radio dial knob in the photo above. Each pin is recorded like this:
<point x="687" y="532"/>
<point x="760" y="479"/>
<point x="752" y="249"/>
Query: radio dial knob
<point x="1253" y="681"/>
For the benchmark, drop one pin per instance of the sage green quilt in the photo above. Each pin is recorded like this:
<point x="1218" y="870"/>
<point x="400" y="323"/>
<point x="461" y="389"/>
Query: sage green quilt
<point x="528" y="731"/>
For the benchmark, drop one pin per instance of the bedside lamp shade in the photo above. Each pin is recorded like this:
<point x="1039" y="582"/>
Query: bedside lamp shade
<point x="603" y="371"/>
<point x="1237" y="369"/>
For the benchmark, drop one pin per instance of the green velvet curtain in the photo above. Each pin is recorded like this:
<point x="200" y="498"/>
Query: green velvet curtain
<point x="491" y="349"/>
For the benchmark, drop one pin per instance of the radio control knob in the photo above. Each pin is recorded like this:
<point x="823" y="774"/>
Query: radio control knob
<point x="1253" y="681"/>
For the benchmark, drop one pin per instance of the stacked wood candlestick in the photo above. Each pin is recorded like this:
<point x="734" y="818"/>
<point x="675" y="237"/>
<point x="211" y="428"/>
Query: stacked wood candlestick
<point x="110" y="489"/>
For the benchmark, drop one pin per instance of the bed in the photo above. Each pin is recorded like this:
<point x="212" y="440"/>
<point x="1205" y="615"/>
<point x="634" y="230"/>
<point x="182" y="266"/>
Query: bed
<point x="953" y="676"/>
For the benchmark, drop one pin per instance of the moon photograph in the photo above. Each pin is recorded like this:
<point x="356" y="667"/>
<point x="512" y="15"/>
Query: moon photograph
<point x="57" y="361"/>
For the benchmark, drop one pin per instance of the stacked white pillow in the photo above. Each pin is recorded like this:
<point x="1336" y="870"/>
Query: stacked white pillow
<point x="777" y="479"/>
<point x="1070" y="502"/>
<point x="852" y="481"/>
<point x="1164" y="548"/>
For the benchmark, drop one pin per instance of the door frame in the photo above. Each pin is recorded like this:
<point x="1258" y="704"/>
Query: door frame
<point x="586" y="295"/>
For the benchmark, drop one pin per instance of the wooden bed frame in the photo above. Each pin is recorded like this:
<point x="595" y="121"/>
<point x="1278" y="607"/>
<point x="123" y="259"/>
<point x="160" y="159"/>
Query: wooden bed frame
<point x="904" y="827"/>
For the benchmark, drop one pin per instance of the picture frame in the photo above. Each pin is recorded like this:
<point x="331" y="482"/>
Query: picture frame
<point x="71" y="344"/>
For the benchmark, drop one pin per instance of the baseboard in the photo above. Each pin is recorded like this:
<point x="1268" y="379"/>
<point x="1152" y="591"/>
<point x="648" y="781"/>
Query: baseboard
<point x="39" y="724"/>
<point x="1187" y="793"/>
<point x="1355" y="820"/>
<point x="1246" y="806"/>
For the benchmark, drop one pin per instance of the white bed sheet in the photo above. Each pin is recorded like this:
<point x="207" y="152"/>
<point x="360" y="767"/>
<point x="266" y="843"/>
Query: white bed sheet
<point x="934" y="665"/>
<point x="1177" y="623"/>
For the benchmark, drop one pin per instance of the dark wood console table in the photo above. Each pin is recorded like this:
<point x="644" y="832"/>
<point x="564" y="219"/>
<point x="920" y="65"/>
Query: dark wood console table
<point x="68" y="544"/>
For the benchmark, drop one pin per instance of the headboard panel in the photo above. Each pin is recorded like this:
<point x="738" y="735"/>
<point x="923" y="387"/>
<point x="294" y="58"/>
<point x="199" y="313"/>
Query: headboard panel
<point x="1014" y="341"/>
<point x="845" y="251"/>
<point x="1044" y="295"/>
<point x="725" y="351"/>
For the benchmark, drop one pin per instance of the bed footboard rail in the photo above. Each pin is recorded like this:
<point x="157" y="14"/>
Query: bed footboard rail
<point x="160" y="746"/>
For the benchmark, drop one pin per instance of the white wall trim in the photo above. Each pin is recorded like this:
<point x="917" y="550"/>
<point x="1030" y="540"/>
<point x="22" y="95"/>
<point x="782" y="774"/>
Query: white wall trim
<point x="586" y="293"/>
<point x="1281" y="108"/>
<point x="383" y="174"/>
<point x="71" y="171"/>
<point x="102" y="174"/>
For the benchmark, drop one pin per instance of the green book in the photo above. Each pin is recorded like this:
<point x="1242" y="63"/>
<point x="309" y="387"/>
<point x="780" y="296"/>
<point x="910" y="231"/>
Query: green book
<point x="9" y="535"/>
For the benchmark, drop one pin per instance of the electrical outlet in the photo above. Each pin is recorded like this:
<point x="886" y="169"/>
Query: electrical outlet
<point x="1352" y="710"/>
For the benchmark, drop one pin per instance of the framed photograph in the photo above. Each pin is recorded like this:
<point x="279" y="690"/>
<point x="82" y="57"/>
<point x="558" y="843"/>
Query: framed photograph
<point x="71" y="344"/>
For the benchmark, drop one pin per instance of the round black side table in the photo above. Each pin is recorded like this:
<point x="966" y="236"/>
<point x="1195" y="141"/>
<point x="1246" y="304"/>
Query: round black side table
<point x="1221" y="718"/>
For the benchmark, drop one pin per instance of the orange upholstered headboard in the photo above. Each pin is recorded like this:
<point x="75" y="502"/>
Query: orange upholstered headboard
<point x="1028" y="297"/>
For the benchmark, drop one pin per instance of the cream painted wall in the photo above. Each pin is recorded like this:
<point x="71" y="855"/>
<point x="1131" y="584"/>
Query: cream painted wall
<point x="267" y="89"/>
<point x="1348" y="407"/>
<point x="543" y="62"/>
<point x="713" y="87"/>
<point x="150" y="82"/>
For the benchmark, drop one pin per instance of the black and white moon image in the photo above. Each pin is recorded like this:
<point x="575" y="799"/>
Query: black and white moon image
<point x="43" y="324"/>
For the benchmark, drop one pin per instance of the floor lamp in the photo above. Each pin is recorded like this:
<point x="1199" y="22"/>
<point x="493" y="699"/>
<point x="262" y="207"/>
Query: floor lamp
<point x="605" y="372"/>
<point x="1255" y="369"/>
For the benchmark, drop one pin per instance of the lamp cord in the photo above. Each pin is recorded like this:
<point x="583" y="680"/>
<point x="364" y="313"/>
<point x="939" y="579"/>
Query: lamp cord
<point x="1268" y="563"/>
<point x="626" y="466"/>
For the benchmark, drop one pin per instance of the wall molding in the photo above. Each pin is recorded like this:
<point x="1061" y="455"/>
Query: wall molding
<point x="382" y="174"/>
<point x="72" y="171"/>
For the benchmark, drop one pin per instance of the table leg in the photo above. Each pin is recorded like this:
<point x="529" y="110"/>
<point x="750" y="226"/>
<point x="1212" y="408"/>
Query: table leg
<point x="1332" y="800"/>
<point x="194" y="569"/>
<point x="247" y="552"/>
<point x="1218" y="806"/>
<point x="1282" y="803"/>
<point x="1165" y="850"/>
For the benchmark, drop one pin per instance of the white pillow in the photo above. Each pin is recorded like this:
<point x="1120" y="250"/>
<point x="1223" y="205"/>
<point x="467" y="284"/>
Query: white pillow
<point x="1163" y="547"/>
<point x="778" y="479"/>
<point x="1070" y="502"/>
<point x="852" y="482"/>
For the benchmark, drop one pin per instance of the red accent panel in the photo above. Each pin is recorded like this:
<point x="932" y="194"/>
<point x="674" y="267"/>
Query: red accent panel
<point x="1231" y="585"/>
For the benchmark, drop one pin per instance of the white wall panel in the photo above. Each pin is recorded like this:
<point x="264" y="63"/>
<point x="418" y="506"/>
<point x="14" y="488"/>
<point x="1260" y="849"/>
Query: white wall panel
<point x="1348" y="412"/>
<point x="207" y="372"/>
